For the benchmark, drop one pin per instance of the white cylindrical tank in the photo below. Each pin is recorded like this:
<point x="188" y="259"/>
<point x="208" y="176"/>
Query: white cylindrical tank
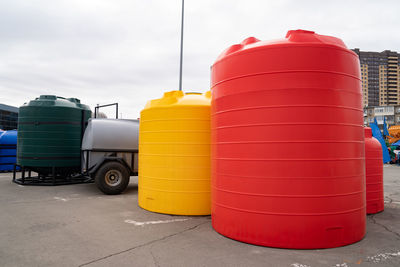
<point x="108" y="137"/>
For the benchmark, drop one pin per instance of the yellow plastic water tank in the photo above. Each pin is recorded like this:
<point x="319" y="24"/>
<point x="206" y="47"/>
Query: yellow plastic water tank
<point x="174" y="154"/>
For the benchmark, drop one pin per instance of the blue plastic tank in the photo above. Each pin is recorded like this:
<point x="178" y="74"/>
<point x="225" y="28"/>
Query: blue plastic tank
<point x="8" y="150"/>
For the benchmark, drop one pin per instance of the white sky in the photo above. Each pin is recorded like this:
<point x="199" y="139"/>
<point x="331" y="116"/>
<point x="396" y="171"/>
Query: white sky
<point x="127" y="51"/>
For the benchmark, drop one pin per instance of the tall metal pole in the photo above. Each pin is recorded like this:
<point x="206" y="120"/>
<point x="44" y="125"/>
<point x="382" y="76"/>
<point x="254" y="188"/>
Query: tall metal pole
<point x="181" y="58"/>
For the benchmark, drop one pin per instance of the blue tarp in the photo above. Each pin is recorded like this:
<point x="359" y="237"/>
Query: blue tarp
<point x="377" y="134"/>
<point x="396" y="144"/>
<point x="385" y="128"/>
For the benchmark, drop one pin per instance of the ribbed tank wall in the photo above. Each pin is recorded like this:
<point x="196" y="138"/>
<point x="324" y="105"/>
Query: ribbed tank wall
<point x="373" y="173"/>
<point x="288" y="143"/>
<point x="50" y="132"/>
<point x="174" y="154"/>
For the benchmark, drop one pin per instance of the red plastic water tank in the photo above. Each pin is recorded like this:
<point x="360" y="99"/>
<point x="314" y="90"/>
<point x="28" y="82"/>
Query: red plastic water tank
<point x="373" y="173"/>
<point x="288" y="143"/>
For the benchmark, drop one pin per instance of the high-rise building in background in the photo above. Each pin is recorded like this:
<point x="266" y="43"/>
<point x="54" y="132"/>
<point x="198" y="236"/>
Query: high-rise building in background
<point x="380" y="73"/>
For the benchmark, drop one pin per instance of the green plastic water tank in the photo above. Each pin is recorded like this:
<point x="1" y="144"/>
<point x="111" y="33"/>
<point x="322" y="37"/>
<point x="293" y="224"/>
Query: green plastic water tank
<point x="50" y="130"/>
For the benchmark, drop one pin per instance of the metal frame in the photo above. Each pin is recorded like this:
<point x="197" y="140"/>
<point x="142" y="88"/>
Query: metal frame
<point x="47" y="179"/>
<point x="102" y="106"/>
<point x="94" y="168"/>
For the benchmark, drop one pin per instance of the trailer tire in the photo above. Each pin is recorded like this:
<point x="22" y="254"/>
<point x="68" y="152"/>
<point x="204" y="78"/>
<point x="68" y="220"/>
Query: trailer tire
<point x="112" y="178"/>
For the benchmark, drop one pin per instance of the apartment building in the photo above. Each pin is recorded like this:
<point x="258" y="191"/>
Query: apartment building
<point x="380" y="74"/>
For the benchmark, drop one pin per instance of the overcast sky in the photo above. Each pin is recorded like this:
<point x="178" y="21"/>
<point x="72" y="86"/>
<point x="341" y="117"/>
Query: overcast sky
<point x="127" y="51"/>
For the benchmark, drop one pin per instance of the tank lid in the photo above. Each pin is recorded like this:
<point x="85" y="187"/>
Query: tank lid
<point x="54" y="97"/>
<point x="75" y="100"/>
<point x="53" y="100"/>
<point x="293" y="37"/>
<point x="304" y="36"/>
<point x="49" y="97"/>
<point x="367" y="132"/>
<point x="297" y="31"/>
<point x="179" y="98"/>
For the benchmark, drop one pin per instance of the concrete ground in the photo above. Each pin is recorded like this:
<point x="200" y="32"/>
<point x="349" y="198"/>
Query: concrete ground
<point x="76" y="225"/>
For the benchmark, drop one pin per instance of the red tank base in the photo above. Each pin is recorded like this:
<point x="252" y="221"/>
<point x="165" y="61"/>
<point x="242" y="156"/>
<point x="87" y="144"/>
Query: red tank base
<point x="297" y="232"/>
<point x="375" y="207"/>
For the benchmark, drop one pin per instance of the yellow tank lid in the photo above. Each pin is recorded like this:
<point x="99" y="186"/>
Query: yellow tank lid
<point x="179" y="98"/>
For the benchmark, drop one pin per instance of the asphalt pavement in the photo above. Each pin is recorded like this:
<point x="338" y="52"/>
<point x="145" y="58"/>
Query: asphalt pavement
<point x="77" y="225"/>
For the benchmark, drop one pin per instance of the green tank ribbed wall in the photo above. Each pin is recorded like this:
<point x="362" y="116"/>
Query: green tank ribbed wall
<point x="50" y="133"/>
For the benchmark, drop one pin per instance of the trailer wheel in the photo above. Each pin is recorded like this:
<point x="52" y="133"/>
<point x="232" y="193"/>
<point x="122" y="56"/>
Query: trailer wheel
<point x="112" y="178"/>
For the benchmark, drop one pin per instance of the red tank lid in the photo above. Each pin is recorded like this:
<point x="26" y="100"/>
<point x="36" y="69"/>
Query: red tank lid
<point x="293" y="37"/>
<point x="367" y="132"/>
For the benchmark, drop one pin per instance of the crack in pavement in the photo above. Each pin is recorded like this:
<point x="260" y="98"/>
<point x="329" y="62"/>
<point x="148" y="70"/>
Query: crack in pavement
<point x="384" y="226"/>
<point x="154" y="257"/>
<point x="54" y="199"/>
<point x="389" y="197"/>
<point x="144" y="244"/>
<point x="31" y="201"/>
<point x="390" y="200"/>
